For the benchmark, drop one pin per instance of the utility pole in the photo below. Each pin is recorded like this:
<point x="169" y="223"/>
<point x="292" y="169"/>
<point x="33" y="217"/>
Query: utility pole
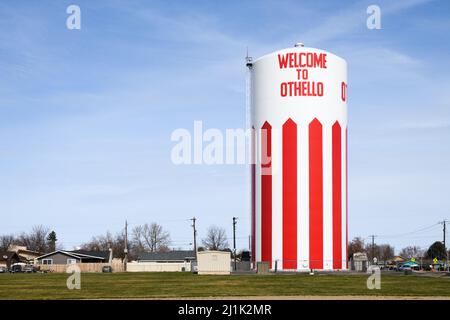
<point x="444" y="223"/>
<point x="195" y="236"/>
<point x="373" y="246"/>
<point x="125" y="250"/>
<point x="445" y="247"/>
<point x="234" y="242"/>
<point x="444" y="231"/>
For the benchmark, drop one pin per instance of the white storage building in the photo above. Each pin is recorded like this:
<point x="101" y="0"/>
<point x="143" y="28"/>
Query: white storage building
<point x="214" y="262"/>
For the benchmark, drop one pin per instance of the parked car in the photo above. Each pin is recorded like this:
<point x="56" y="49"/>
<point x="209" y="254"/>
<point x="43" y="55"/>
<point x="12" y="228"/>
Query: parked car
<point x="17" y="267"/>
<point x="439" y="267"/>
<point x="427" y="267"/>
<point x="29" y="268"/>
<point x="408" y="265"/>
<point x="106" y="269"/>
<point x="404" y="267"/>
<point x="391" y="266"/>
<point x="3" y="269"/>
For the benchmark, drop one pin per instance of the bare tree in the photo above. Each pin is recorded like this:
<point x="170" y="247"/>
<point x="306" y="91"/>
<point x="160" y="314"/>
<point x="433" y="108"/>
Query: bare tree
<point x="150" y="237"/>
<point x="137" y="240"/>
<point x="382" y="252"/>
<point x="36" y="240"/>
<point x="216" y="239"/>
<point x="386" y="252"/>
<point x="99" y="243"/>
<point x="356" y="245"/>
<point x="5" y="241"/>
<point x="105" y="242"/>
<point x="411" y="252"/>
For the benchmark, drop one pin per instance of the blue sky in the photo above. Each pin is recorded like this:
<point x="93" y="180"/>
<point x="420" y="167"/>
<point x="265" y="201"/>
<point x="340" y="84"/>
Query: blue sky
<point x="86" y="115"/>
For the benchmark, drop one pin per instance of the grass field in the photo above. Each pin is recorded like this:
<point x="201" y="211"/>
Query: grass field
<point x="173" y="285"/>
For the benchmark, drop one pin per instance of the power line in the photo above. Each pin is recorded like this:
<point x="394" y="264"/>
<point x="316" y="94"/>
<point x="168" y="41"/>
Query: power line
<point x="428" y="228"/>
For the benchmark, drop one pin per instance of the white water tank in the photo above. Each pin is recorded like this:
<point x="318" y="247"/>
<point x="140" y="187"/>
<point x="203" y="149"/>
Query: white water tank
<point x="299" y="177"/>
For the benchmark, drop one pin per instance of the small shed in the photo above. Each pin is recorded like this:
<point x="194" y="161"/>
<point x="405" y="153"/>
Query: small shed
<point x="359" y="262"/>
<point x="214" y="262"/>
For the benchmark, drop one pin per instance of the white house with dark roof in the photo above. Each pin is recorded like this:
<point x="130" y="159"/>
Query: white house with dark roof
<point x="167" y="257"/>
<point x="76" y="256"/>
<point x="171" y="261"/>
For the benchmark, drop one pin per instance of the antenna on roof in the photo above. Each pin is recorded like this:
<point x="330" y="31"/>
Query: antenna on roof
<point x="248" y="60"/>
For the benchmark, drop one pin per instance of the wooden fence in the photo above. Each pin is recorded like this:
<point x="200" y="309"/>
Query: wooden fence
<point x="158" y="267"/>
<point x="84" y="267"/>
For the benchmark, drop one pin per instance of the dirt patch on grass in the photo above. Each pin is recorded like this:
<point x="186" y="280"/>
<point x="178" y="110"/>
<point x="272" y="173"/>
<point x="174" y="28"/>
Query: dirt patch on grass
<point x="314" y="298"/>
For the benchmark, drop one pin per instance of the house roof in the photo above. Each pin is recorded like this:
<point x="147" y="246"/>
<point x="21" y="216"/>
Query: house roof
<point x="80" y="254"/>
<point x="8" y="255"/>
<point x="99" y="254"/>
<point x="176" y="255"/>
<point x="29" y="252"/>
<point x="24" y="249"/>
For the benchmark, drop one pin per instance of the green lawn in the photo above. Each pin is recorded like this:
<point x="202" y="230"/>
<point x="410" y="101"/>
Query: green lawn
<point x="158" y="285"/>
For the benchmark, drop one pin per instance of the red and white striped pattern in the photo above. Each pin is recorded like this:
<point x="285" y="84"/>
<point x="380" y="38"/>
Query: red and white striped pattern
<point x="299" y="209"/>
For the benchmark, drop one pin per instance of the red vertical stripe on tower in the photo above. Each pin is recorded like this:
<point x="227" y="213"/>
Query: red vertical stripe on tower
<point x="315" y="195"/>
<point x="289" y="195"/>
<point x="266" y="193"/>
<point x="253" y="165"/>
<point x="337" y="195"/>
<point x="346" y="197"/>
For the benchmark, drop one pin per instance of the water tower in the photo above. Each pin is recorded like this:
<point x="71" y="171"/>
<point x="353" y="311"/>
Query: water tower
<point x="298" y="103"/>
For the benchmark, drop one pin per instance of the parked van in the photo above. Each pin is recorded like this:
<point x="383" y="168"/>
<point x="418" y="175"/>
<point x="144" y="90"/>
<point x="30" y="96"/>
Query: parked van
<point x="17" y="267"/>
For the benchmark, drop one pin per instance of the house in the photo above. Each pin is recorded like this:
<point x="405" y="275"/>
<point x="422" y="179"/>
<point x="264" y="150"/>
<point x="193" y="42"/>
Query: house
<point x="359" y="262"/>
<point x="76" y="256"/>
<point x="25" y="255"/>
<point x="8" y="258"/>
<point x="172" y="261"/>
<point x="175" y="256"/>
